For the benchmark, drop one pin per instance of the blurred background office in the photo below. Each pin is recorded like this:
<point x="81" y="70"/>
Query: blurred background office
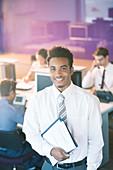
<point x="29" y="25"/>
<point x="81" y="25"/>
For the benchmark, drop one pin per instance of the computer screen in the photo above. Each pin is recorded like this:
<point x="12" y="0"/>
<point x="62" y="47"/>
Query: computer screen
<point x="78" y="32"/>
<point x="42" y="80"/>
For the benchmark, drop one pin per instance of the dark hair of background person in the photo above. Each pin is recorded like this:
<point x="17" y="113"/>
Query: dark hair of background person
<point x="6" y="86"/>
<point x="42" y="52"/>
<point x="60" y="51"/>
<point x="101" y="51"/>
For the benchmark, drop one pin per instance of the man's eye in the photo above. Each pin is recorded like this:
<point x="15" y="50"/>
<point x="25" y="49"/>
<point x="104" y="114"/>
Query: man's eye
<point x="64" y="68"/>
<point x="52" y="69"/>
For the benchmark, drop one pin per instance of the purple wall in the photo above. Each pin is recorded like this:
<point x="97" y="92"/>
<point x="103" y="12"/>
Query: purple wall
<point x="30" y="21"/>
<point x="32" y="24"/>
<point x="1" y="29"/>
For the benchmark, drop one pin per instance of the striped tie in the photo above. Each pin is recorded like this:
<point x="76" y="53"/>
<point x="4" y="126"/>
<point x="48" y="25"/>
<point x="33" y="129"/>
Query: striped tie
<point x="62" y="108"/>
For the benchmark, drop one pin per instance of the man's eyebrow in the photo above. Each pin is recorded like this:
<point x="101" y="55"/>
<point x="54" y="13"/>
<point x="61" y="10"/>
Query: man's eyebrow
<point x="60" y="66"/>
<point x="64" y="66"/>
<point x="52" y="66"/>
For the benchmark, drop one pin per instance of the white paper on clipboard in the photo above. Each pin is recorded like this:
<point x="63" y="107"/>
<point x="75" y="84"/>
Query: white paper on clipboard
<point x="58" y="135"/>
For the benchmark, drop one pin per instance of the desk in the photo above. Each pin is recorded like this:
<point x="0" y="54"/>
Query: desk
<point x="8" y="60"/>
<point x="27" y="93"/>
<point x="105" y="109"/>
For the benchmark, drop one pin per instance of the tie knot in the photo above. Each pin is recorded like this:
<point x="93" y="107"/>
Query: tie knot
<point x="60" y="97"/>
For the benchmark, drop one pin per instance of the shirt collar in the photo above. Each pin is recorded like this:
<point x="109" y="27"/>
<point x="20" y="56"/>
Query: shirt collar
<point x="107" y="66"/>
<point x="5" y="100"/>
<point x="66" y="92"/>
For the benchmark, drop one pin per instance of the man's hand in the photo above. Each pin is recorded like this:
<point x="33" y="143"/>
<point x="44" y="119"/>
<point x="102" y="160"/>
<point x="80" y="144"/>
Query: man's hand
<point x="59" y="154"/>
<point x="94" y="64"/>
<point x="25" y="79"/>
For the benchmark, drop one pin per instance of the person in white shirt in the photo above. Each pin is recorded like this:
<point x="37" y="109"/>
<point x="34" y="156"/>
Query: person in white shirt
<point x="83" y="116"/>
<point x="94" y="75"/>
<point x="40" y="62"/>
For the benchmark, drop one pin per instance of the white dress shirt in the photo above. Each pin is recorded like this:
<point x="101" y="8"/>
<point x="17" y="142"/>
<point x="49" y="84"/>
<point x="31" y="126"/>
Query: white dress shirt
<point x="36" y="65"/>
<point x="83" y="119"/>
<point x="95" y="78"/>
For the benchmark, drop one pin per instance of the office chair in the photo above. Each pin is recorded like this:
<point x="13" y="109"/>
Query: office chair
<point x="111" y="120"/>
<point x="33" y="58"/>
<point x="111" y="116"/>
<point x="12" y="140"/>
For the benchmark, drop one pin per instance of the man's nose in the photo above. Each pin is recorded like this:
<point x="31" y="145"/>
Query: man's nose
<point x="58" y="72"/>
<point x="98" y="62"/>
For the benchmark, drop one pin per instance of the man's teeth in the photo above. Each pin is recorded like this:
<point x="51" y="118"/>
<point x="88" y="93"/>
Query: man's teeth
<point x="59" y="79"/>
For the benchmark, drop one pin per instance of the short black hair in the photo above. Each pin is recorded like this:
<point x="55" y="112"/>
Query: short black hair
<point x="101" y="51"/>
<point x="59" y="51"/>
<point x="42" y="52"/>
<point x="6" y="86"/>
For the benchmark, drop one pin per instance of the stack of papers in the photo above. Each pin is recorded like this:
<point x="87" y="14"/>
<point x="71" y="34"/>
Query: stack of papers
<point x="23" y="86"/>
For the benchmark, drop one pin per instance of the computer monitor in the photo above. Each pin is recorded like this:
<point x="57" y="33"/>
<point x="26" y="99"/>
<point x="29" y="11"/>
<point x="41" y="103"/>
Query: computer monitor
<point x="78" y="32"/>
<point x="110" y="12"/>
<point x="7" y="70"/>
<point x="42" y="80"/>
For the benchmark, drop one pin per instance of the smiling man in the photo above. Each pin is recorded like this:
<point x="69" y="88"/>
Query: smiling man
<point x="81" y="112"/>
<point x="100" y="74"/>
<point x="60" y="71"/>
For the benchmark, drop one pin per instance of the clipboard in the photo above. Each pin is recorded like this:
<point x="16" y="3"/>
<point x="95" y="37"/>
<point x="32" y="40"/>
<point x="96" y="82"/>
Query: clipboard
<point x="58" y="135"/>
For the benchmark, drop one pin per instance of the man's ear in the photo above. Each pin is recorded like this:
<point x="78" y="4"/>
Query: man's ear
<point x="107" y="57"/>
<point x="11" y="92"/>
<point x="72" y="70"/>
<point x="12" y="95"/>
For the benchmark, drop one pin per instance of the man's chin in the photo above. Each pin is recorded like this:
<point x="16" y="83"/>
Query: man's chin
<point x="60" y="86"/>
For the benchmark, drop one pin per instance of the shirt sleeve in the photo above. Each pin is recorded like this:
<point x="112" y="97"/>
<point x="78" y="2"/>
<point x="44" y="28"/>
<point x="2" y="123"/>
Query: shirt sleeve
<point x="31" y="128"/>
<point x="88" y="80"/>
<point x="33" y="66"/>
<point x="18" y="116"/>
<point x="95" y="138"/>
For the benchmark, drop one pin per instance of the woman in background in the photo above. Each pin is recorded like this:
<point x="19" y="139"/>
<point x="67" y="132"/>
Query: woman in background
<point x="40" y="62"/>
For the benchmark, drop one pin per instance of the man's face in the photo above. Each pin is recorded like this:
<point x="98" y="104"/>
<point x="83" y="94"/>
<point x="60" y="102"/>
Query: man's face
<point x="60" y="72"/>
<point x="101" y="60"/>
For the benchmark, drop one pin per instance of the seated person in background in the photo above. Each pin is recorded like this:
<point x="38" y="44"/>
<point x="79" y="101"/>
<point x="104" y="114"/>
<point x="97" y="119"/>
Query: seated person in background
<point x="100" y="74"/>
<point x="10" y="117"/>
<point x="40" y="62"/>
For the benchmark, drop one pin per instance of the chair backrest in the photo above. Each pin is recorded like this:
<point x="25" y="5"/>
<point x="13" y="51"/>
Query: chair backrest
<point x="10" y="140"/>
